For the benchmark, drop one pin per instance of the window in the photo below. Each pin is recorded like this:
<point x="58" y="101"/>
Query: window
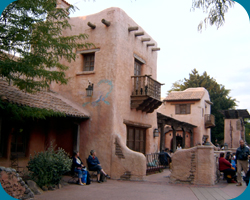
<point x="182" y="109"/>
<point x="88" y="62"/>
<point x="136" y="139"/>
<point x="137" y="68"/>
<point x="18" y="142"/>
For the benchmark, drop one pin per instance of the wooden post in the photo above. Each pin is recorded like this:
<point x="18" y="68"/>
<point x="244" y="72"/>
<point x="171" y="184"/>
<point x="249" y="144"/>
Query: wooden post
<point x="191" y="138"/>
<point x="156" y="49"/>
<point x="133" y="28"/>
<point x="91" y="25"/>
<point x="145" y="39"/>
<point x="183" y="138"/>
<point x="162" y="139"/>
<point x="107" y="23"/>
<point x="174" y="138"/>
<point x="150" y="44"/>
<point x="139" y="34"/>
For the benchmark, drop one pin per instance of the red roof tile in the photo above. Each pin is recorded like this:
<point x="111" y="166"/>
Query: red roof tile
<point x="44" y="100"/>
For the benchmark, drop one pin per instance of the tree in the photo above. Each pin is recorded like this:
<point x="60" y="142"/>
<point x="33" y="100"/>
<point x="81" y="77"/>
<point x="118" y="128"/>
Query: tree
<point x="247" y="132"/>
<point x="32" y="44"/>
<point x="219" y="96"/>
<point x="215" y="9"/>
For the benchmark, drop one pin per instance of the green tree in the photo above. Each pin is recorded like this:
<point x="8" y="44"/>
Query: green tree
<point x="215" y="10"/>
<point x="247" y="132"/>
<point x="219" y="96"/>
<point x="32" y="45"/>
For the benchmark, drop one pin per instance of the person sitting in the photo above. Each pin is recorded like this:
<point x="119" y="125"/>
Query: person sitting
<point x="226" y="168"/>
<point x="78" y="167"/>
<point x="164" y="157"/>
<point x="94" y="165"/>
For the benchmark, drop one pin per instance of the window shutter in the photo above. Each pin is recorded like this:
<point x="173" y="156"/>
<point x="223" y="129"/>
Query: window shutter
<point x="188" y="109"/>
<point x="177" y="109"/>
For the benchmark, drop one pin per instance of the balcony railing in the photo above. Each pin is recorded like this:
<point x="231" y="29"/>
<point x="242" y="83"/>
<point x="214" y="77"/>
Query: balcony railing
<point x="146" y="86"/>
<point x="209" y="120"/>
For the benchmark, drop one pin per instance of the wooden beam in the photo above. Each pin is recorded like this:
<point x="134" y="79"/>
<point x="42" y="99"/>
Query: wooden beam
<point x="145" y="39"/>
<point x="91" y="25"/>
<point x="150" y="44"/>
<point x="156" y="49"/>
<point x="107" y="23"/>
<point x="133" y="28"/>
<point x="139" y="34"/>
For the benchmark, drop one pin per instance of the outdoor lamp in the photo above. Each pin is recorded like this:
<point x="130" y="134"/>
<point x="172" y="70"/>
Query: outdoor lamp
<point x="156" y="132"/>
<point x="90" y="89"/>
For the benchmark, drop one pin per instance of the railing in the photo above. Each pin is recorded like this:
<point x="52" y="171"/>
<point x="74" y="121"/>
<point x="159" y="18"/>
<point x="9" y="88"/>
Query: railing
<point x="209" y="120"/>
<point x="156" y="162"/>
<point x="145" y="85"/>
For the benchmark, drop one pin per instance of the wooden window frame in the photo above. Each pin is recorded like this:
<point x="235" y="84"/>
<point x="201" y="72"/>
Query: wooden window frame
<point x="182" y="109"/>
<point x="136" y="144"/>
<point x="88" y="62"/>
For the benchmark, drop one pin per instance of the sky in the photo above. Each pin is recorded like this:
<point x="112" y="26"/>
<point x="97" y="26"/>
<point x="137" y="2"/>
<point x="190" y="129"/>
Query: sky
<point x="223" y="53"/>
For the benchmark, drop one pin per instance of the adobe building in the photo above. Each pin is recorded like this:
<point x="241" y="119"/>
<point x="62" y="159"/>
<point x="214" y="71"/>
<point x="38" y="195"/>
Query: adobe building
<point x="234" y="127"/>
<point x="21" y="138"/>
<point x="191" y="110"/>
<point x="119" y="71"/>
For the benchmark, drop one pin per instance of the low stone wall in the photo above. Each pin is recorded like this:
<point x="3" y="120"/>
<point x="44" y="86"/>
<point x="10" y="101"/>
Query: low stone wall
<point x="14" y="185"/>
<point x="194" y="166"/>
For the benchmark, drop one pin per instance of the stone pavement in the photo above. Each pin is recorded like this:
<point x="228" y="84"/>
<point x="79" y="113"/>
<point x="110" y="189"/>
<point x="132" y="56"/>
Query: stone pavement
<point x="156" y="187"/>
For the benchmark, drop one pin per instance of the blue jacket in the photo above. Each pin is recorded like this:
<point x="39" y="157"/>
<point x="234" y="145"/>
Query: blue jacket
<point x="92" y="161"/>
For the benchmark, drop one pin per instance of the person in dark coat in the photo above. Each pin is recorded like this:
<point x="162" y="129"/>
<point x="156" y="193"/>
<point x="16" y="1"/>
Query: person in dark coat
<point x="242" y="161"/>
<point x="94" y="165"/>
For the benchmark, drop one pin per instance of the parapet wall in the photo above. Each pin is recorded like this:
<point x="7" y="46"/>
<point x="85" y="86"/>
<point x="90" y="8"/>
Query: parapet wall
<point x="127" y="164"/>
<point x="196" y="165"/>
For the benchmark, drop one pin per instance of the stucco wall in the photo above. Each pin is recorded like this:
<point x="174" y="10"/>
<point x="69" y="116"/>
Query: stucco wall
<point x="114" y="65"/>
<point x="194" y="166"/>
<point x="233" y="133"/>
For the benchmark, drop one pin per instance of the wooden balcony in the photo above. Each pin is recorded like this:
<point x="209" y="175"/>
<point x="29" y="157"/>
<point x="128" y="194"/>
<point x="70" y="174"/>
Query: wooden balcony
<point x="146" y="94"/>
<point x="209" y="121"/>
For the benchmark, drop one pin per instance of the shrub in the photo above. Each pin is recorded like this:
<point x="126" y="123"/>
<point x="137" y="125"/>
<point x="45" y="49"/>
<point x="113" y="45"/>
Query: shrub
<point x="46" y="168"/>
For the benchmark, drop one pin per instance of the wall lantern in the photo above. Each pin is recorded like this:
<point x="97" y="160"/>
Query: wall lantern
<point x="90" y="89"/>
<point x="156" y="132"/>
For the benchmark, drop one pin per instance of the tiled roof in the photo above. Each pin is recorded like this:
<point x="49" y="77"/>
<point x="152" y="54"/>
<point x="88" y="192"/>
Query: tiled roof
<point x="44" y="100"/>
<point x="188" y="94"/>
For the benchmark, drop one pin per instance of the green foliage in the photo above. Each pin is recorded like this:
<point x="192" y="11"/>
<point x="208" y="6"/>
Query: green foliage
<point x="22" y="113"/>
<point x="32" y="43"/>
<point x="46" y="168"/>
<point x="247" y="131"/>
<point x="215" y="9"/>
<point x="219" y="96"/>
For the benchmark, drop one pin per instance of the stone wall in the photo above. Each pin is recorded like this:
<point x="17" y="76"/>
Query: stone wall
<point x="194" y="166"/>
<point x="14" y="185"/>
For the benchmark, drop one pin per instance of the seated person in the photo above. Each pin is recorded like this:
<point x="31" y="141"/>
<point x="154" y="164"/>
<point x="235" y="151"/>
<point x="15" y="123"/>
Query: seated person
<point x="226" y="168"/>
<point x="94" y="165"/>
<point x="78" y="166"/>
<point x="164" y="157"/>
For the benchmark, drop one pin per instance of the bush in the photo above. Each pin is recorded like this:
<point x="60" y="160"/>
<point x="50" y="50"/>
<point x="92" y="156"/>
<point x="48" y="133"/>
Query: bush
<point x="46" y="168"/>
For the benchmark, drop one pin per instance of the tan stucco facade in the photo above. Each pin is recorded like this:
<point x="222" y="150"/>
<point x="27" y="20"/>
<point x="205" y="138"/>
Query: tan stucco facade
<point x="109" y="108"/>
<point x="234" y="130"/>
<point x="198" y="109"/>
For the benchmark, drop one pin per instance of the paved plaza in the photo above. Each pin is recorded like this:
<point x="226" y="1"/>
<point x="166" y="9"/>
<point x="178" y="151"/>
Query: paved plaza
<point x="156" y="187"/>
